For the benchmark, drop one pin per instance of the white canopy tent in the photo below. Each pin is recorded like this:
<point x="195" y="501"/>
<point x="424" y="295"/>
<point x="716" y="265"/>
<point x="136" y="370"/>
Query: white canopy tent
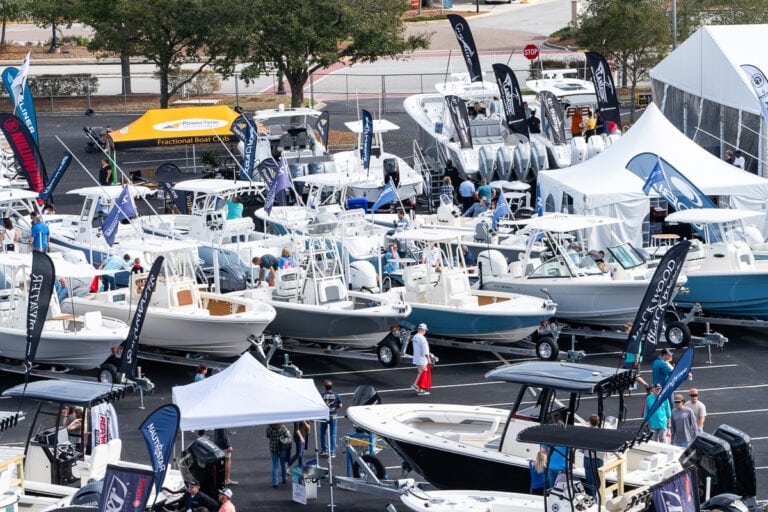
<point x="246" y="394"/>
<point x="701" y="88"/>
<point x="603" y="186"/>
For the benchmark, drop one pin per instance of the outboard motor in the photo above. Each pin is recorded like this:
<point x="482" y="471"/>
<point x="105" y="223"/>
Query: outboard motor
<point x="483" y="233"/>
<point x="743" y="459"/>
<point x="504" y="163"/>
<point x="203" y="461"/>
<point x="595" y="145"/>
<point x="365" y="395"/>
<point x="492" y="263"/>
<point x="391" y="171"/>
<point x="363" y="276"/>
<point x="232" y="278"/>
<point x="578" y="150"/>
<point x="538" y="157"/>
<point x="713" y="459"/>
<point x="725" y="503"/>
<point x="485" y="163"/>
<point x="89" y="495"/>
<point x="521" y="158"/>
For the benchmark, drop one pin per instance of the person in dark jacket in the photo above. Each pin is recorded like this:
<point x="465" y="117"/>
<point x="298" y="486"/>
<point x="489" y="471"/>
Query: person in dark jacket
<point x="194" y="500"/>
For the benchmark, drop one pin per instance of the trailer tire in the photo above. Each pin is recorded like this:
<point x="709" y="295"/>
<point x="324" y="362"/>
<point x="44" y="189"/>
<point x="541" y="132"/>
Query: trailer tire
<point x="372" y="462"/>
<point x="107" y="373"/>
<point x="547" y="349"/>
<point x="388" y="353"/>
<point x="678" y="334"/>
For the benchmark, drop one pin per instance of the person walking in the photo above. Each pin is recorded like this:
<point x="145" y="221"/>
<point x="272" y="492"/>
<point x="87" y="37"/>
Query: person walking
<point x="334" y="403"/>
<point x="279" y="449"/>
<point x="698" y="408"/>
<point x="10" y="236"/>
<point x="105" y="173"/>
<point x="225" y="501"/>
<point x="221" y="439"/>
<point x="590" y="469"/>
<point x="39" y="235"/>
<point x="421" y="357"/>
<point x="301" y="430"/>
<point x="683" y="423"/>
<point x="660" y="420"/>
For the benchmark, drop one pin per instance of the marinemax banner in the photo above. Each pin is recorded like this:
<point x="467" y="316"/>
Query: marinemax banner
<point x="605" y="90"/>
<point x="125" y="489"/>
<point x="129" y="358"/>
<point x="41" y="282"/>
<point x="23" y="104"/>
<point x="553" y="113"/>
<point x="646" y="329"/>
<point x="460" y="119"/>
<point x="365" y="151"/>
<point x="25" y="150"/>
<point x="511" y="99"/>
<point x="159" y="431"/>
<point x="467" y="45"/>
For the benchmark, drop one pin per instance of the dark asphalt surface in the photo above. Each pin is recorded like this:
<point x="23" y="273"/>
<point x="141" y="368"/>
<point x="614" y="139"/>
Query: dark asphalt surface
<point x="733" y="386"/>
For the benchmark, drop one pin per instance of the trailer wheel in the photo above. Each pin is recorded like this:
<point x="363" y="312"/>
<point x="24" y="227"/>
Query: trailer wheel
<point x="547" y="349"/>
<point x="107" y="373"/>
<point x="678" y="335"/>
<point x="388" y="353"/>
<point x="373" y="463"/>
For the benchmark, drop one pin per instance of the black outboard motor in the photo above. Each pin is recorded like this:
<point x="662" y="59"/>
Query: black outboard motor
<point x="743" y="461"/>
<point x="88" y="495"/>
<point x="391" y="171"/>
<point x="725" y="503"/>
<point x="713" y="459"/>
<point x="203" y="461"/>
<point x="365" y="395"/>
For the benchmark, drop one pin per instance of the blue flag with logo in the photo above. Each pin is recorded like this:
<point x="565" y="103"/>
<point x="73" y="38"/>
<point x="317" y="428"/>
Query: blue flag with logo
<point x="281" y="182"/>
<point x="159" y="431"/>
<point x="502" y="209"/>
<point x="23" y="104"/>
<point x="388" y="194"/>
<point x="123" y="209"/>
<point x="125" y="489"/>
<point x="247" y="133"/>
<point x="678" y="376"/>
<point x="322" y="127"/>
<point x="679" y="493"/>
<point x="367" y="135"/>
<point x="66" y="158"/>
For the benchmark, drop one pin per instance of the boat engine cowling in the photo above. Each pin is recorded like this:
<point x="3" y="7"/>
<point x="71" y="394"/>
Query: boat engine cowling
<point x="595" y="145"/>
<point x="363" y="276"/>
<point x="578" y="150"/>
<point x="492" y="263"/>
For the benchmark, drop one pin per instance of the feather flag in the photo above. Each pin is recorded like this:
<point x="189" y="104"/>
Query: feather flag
<point x="281" y="182"/>
<point x="388" y="194"/>
<point x="502" y="208"/>
<point x="123" y="209"/>
<point x="41" y="282"/>
<point x="18" y="83"/>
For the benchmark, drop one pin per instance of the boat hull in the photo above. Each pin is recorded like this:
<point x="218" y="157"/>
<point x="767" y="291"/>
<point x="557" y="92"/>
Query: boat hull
<point x="742" y="294"/>
<point x="73" y="350"/>
<point x="472" y="501"/>
<point x="603" y="303"/>
<point x="221" y="336"/>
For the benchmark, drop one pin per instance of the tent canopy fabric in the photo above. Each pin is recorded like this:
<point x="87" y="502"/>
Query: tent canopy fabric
<point x="603" y="186"/>
<point x="246" y="394"/>
<point x="708" y="64"/>
<point x="177" y="126"/>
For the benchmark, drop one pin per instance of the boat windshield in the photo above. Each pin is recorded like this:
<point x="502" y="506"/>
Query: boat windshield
<point x="626" y="256"/>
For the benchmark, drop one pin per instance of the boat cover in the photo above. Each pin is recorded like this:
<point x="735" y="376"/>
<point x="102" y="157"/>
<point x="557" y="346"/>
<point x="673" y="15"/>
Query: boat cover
<point x="564" y="376"/>
<point x="77" y="393"/>
<point x="581" y="438"/>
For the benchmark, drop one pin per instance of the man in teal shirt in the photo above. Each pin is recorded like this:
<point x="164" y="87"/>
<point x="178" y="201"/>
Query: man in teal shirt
<point x="660" y="420"/>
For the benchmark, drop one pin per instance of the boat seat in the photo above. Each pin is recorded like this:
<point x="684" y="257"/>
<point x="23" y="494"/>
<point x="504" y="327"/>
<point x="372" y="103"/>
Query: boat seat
<point x="92" y="319"/>
<point x="286" y="282"/>
<point x="184" y="297"/>
<point x="286" y="142"/>
<point x="330" y="292"/>
<point x="302" y="140"/>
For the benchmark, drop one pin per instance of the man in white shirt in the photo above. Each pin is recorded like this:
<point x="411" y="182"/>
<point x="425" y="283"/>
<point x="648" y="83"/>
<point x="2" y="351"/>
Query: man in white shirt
<point x="738" y="159"/>
<point x="421" y="358"/>
<point x="467" y="192"/>
<point x="433" y="257"/>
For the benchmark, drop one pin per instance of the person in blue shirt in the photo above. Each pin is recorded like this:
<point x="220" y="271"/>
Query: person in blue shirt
<point x="286" y="260"/>
<point x="62" y="292"/>
<point x="114" y="262"/>
<point x="40" y="235"/>
<point x="557" y="456"/>
<point x="234" y="208"/>
<point x="662" y="367"/>
<point x="268" y="265"/>
<point x="469" y="258"/>
<point x="393" y="259"/>
<point x="485" y="191"/>
<point x="660" y="420"/>
<point x="476" y="209"/>
<point x="333" y="401"/>
<point x="402" y="222"/>
<point x="467" y="192"/>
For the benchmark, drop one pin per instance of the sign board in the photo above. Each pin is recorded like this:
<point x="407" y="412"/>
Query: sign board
<point x="531" y="51"/>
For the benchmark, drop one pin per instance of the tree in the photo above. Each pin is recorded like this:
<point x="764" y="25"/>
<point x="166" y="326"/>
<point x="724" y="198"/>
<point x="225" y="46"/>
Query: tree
<point x="170" y="33"/>
<point x="315" y="34"/>
<point x="113" y="32"/>
<point x="692" y="14"/>
<point x="54" y="14"/>
<point x="9" y="10"/>
<point x="632" y="33"/>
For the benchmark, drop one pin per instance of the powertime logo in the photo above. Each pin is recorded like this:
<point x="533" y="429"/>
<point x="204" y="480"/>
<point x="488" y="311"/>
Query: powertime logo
<point x="192" y="124"/>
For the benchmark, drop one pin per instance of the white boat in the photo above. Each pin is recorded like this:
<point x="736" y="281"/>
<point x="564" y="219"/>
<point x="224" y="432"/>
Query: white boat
<point x="182" y="315"/>
<point x="383" y="166"/>
<point x="80" y="342"/>
<point x="572" y="94"/>
<point x="585" y="293"/>
<point x="314" y="304"/>
<point x="723" y="275"/>
<point x="475" y="447"/>
<point x="438" y="133"/>
<point x="443" y="299"/>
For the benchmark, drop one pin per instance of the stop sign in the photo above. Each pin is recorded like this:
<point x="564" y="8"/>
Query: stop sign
<point x="531" y="51"/>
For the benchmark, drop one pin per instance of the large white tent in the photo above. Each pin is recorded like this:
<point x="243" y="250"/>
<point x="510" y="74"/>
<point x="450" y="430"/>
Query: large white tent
<point x="245" y="394"/>
<point x="701" y="88"/>
<point x="603" y="186"/>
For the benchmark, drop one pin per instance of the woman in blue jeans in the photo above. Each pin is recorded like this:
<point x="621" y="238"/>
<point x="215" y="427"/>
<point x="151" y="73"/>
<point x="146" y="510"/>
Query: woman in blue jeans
<point x="280" y="453"/>
<point x="301" y="431"/>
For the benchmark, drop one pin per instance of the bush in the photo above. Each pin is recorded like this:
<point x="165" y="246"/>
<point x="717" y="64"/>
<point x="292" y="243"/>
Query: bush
<point x="77" y="84"/>
<point x="73" y="41"/>
<point x="204" y="83"/>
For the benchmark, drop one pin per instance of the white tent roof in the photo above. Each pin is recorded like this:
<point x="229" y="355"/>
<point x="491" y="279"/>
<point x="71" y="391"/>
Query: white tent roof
<point x="245" y="394"/>
<point x="708" y="64"/>
<point x="603" y="186"/>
